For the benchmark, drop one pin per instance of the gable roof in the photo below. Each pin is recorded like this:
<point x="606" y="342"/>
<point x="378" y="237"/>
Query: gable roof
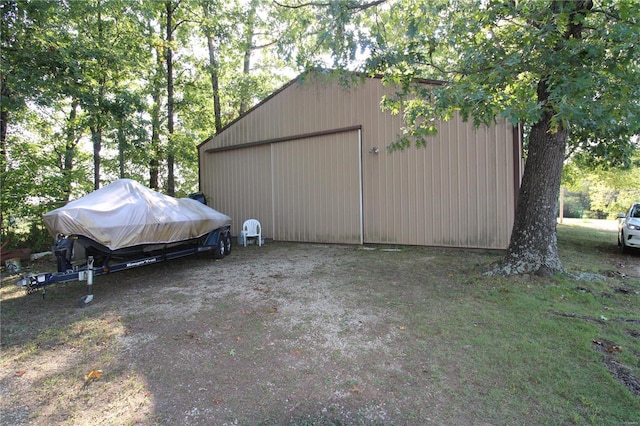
<point x="348" y="77"/>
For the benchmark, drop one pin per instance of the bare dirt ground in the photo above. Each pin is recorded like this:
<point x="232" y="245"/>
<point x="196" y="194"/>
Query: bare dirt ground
<point x="282" y="334"/>
<point x="265" y="335"/>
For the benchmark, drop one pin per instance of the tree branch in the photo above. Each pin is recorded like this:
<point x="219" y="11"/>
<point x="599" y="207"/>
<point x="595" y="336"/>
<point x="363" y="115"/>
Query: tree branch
<point x="263" y="46"/>
<point x="348" y="6"/>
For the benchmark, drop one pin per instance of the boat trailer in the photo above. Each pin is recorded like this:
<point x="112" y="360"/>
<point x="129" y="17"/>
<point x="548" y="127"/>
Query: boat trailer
<point x="217" y="241"/>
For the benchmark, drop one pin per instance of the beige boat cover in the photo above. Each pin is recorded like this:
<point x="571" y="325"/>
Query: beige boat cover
<point x="126" y="213"/>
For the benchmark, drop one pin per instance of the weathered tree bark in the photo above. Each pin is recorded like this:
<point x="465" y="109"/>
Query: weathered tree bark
<point x="156" y="94"/>
<point x="98" y="114"/>
<point x="171" y="188"/>
<point x="70" y="150"/>
<point x="248" y="49"/>
<point x="96" y="138"/>
<point x="154" y="161"/>
<point x="4" y="117"/>
<point x="533" y="247"/>
<point x="122" y="145"/>
<point x="213" y="70"/>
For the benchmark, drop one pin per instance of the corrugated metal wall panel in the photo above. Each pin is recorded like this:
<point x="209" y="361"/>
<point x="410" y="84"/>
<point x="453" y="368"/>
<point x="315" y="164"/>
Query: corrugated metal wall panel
<point x="238" y="187"/>
<point x="458" y="191"/>
<point x="316" y="189"/>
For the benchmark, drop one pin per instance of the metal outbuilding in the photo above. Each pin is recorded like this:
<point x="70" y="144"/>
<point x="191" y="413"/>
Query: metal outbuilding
<point x="310" y="163"/>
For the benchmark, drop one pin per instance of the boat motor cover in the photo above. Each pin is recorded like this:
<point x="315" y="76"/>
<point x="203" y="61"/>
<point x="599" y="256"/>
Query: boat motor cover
<point x="126" y="213"/>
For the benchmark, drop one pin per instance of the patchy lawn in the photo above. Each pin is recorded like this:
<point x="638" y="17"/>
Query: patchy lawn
<point x="309" y="334"/>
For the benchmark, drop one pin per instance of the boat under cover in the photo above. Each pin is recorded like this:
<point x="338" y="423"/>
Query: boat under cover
<point x="127" y="214"/>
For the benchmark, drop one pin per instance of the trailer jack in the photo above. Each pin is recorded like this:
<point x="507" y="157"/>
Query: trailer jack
<point x="86" y="300"/>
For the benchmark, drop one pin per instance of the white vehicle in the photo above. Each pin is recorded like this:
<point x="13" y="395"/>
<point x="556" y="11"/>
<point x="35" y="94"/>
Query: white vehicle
<point x="629" y="229"/>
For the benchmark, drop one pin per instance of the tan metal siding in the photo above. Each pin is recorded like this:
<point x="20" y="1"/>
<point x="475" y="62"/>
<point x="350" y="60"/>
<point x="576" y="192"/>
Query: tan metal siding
<point x="458" y="191"/>
<point x="238" y="185"/>
<point x="316" y="189"/>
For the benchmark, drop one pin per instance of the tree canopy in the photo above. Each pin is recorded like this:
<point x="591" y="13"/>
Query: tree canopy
<point x="84" y="79"/>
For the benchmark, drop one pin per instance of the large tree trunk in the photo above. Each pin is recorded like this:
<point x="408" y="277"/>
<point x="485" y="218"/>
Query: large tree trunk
<point x="533" y="247"/>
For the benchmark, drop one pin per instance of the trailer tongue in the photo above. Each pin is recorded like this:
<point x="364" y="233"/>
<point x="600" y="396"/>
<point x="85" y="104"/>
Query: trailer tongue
<point x="123" y="226"/>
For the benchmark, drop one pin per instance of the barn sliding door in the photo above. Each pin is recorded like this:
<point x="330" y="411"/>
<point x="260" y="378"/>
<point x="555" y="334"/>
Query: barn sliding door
<point x="317" y="189"/>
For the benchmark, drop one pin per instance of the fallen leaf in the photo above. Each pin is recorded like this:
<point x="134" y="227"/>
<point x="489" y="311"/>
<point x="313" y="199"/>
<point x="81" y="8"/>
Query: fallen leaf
<point x="94" y="375"/>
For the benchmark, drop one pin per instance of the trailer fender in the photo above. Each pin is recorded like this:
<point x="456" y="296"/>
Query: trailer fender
<point x="219" y="240"/>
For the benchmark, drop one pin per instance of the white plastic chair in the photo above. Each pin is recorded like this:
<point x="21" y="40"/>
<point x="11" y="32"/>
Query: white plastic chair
<point x="251" y="228"/>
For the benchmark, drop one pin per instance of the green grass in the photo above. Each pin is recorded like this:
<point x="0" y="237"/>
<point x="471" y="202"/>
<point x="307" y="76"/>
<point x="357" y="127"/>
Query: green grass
<point x="510" y="350"/>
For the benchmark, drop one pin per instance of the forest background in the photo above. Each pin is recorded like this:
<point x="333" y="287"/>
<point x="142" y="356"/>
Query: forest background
<point x="95" y="90"/>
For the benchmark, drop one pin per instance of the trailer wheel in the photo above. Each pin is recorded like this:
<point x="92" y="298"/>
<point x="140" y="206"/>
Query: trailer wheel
<point x="227" y="244"/>
<point x="219" y="250"/>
